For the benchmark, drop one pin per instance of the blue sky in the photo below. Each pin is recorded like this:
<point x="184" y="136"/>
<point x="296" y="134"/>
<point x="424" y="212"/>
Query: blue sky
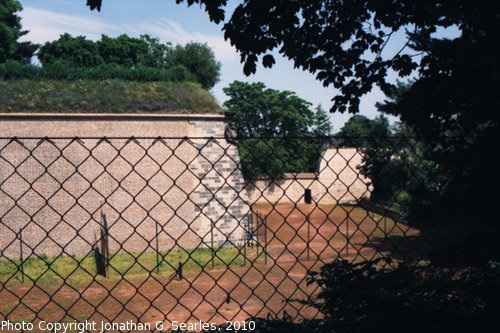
<point x="178" y="24"/>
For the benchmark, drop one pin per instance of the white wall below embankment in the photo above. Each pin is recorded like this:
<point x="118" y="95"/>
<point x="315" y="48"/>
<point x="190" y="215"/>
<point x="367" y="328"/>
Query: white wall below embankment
<point x="337" y="181"/>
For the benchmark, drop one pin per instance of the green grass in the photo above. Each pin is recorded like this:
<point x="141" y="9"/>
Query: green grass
<point x="105" y="96"/>
<point x="77" y="270"/>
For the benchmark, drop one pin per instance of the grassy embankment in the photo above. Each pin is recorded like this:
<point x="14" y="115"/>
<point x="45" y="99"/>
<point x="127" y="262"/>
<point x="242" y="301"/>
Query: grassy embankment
<point x="105" y="96"/>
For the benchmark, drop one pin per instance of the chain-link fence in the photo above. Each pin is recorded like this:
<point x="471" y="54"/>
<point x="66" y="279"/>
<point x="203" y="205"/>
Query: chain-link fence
<point x="149" y="230"/>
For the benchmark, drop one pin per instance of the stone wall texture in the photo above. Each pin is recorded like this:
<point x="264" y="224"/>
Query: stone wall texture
<point x="183" y="189"/>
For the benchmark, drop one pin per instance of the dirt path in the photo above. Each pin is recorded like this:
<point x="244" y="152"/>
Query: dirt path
<point x="235" y="293"/>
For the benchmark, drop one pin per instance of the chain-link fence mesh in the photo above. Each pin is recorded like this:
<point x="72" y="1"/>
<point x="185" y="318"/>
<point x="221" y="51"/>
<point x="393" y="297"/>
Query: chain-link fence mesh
<point x="194" y="229"/>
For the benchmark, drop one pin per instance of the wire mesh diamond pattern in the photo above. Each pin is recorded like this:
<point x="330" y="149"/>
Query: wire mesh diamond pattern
<point x="183" y="229"/>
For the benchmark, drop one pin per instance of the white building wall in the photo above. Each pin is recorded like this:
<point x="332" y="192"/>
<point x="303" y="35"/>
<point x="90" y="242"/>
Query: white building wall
<point x="338" y="181"/>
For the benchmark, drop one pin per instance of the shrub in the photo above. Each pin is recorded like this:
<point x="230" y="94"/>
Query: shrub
<point x="364" y="298"/>
<point x="62" y="71"/>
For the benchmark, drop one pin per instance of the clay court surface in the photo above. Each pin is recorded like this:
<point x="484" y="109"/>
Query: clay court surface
<point x="234" y="292"/>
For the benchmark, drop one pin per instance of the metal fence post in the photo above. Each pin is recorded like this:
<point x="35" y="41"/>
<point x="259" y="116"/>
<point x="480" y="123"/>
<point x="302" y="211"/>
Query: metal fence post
<point x="105" y="244"/>
<point x="157" y="250"/>
<point x="179" y="271"/>
<point x="212" y="243"/>
<point x="244" y="253"/>
<point x="265" y="239"/>
<point x="20" y="236"/>
<point x="257" y="222"/>
<point x="347" y="237"/>
<point x="308" y="236"/>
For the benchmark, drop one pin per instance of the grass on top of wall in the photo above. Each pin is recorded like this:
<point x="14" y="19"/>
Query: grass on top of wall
<point x="106" y="96"/>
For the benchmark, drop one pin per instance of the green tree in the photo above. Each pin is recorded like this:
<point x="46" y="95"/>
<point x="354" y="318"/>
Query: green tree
<point x="123" y="50"/>
<point x="11" y="31"/>
<point x="276" y="129"/>
<point x="417" y="298"/>
<point x="73" y="51"/>
<point x="158" y="54"/>
<point x="396" y="162"/>
<point x="321" y="124"/>
<point x="266" y="112"/>
<point x="200" y="60"/>
<point x="453" y="158"/>
<point x="360" y="131"/>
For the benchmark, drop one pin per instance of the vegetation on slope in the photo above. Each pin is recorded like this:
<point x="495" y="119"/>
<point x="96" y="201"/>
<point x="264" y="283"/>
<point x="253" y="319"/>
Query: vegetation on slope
<point x="13" y="70"/>
<point x="106" y="96"/>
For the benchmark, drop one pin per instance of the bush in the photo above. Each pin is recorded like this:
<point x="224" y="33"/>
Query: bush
<point x="365" y="298"/>
<point x="13" y="70"/>
<point x="62" y="71"/>
<point x="140" y="59"/>
<point x="200" y="60"/>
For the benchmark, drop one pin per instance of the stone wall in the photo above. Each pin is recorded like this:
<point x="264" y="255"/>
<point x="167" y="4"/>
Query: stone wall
<point x="337" y="181"/>
<point x="220" y="196"/>
<point x="56" y="190"/>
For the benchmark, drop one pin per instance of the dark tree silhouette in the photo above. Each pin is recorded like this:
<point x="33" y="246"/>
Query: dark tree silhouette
<point x="11" y="31"/>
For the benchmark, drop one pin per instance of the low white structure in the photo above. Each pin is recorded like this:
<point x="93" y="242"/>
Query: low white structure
<point x="337" y="181"/>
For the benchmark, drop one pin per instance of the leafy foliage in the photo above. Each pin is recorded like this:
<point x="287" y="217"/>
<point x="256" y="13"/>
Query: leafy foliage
<point x="382" y="159"/>
<point x="455" y="193"/>
<point x="122" y="50"/>
<point x="131" y="54"/>
<point x="399" y="165"/>
<point x="272" y="126"/>
<point x="364" y="298"/>
<point x="72" y="51"/>
<point x="343" y="42"/>
<point x="11" y="31"/>
<point x="94" y="4"/>
<point x="361" y="131"/>
<point x="321" y="125"/>
<point x="199" y="59"/>
<point x="104" y="96"/>
<point x="62" y="71"/>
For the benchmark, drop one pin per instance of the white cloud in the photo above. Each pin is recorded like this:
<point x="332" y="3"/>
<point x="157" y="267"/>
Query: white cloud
<point x="45" y="25"/>
<point x="169" y="30"/>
